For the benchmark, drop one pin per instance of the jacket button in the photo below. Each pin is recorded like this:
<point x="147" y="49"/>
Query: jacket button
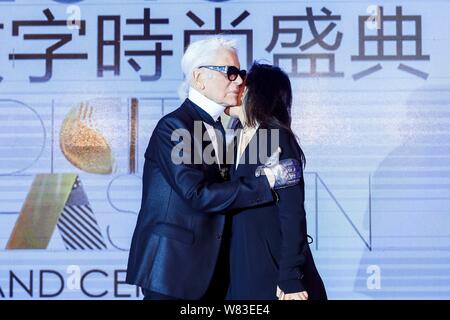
<point x="219" y="237"/>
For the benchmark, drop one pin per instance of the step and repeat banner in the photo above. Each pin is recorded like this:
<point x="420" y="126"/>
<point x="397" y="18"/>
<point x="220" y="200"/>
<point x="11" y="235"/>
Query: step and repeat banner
<point x="83" y="84"/>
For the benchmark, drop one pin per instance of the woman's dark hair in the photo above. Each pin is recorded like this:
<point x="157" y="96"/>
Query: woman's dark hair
<point x="268" y="100"/>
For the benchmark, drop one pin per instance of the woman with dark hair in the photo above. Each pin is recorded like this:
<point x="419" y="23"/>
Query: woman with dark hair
<point x="270" y="256"/>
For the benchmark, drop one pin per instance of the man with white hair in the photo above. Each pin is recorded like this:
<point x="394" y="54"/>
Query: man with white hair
<point x="179" y="246"/>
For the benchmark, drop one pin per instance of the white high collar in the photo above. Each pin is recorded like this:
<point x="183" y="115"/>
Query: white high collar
<point x="212" y="108"/>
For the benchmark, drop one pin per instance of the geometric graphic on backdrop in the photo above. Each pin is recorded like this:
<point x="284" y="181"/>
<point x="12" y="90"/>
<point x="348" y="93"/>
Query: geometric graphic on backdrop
<point x="15" y="142"/>
<point x="77" y="224"/>
<point x="83" y="144"/>
<point x="56" y="200"/>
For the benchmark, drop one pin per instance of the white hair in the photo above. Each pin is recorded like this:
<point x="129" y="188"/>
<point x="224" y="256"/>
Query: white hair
<point x="202" y="52"/>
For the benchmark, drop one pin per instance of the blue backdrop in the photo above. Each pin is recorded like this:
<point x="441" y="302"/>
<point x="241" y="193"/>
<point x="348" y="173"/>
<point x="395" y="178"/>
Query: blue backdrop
<point x="83" y="83"/>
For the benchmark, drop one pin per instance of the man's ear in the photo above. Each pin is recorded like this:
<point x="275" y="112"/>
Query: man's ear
<point x="198" y="79"/>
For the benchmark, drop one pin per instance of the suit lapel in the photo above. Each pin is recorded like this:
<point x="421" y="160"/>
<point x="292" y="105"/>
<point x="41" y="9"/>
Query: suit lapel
<point x="233" y="164"/>
<point x="243" y="167"/>
<point x="211" y="168"/>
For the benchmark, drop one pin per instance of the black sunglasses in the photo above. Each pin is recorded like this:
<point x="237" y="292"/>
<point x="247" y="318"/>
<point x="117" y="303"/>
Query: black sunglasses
<point x="231" y="71"/>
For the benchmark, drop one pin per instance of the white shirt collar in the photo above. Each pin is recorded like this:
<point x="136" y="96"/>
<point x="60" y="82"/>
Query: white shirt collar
<point x="212" y="108"/>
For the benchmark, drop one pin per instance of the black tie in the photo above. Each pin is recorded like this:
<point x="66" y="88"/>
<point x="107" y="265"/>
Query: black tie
<point x="221" y="142"/>
<point x="217" y="125"/>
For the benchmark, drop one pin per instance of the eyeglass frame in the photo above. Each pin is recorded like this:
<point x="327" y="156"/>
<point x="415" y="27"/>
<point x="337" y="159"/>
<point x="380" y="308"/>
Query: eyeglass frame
<point x="225" y="69"/>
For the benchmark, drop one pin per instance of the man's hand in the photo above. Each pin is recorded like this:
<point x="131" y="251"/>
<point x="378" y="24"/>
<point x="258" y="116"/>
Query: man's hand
<point x="291" y="296"/>
<point x="280" y="174"/>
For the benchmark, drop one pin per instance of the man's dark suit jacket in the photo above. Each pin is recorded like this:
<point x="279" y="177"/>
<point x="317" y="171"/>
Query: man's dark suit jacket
<point x="179" y="229"/>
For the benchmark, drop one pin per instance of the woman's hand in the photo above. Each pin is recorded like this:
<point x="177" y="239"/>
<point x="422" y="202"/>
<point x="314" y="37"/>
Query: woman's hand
<point x="291" y="296"/>
<point x="234" y="112"/>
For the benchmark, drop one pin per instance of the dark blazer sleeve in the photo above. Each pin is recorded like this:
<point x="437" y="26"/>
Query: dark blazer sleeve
<point x="190" y="183"/>
<point x="292" y="215"/>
